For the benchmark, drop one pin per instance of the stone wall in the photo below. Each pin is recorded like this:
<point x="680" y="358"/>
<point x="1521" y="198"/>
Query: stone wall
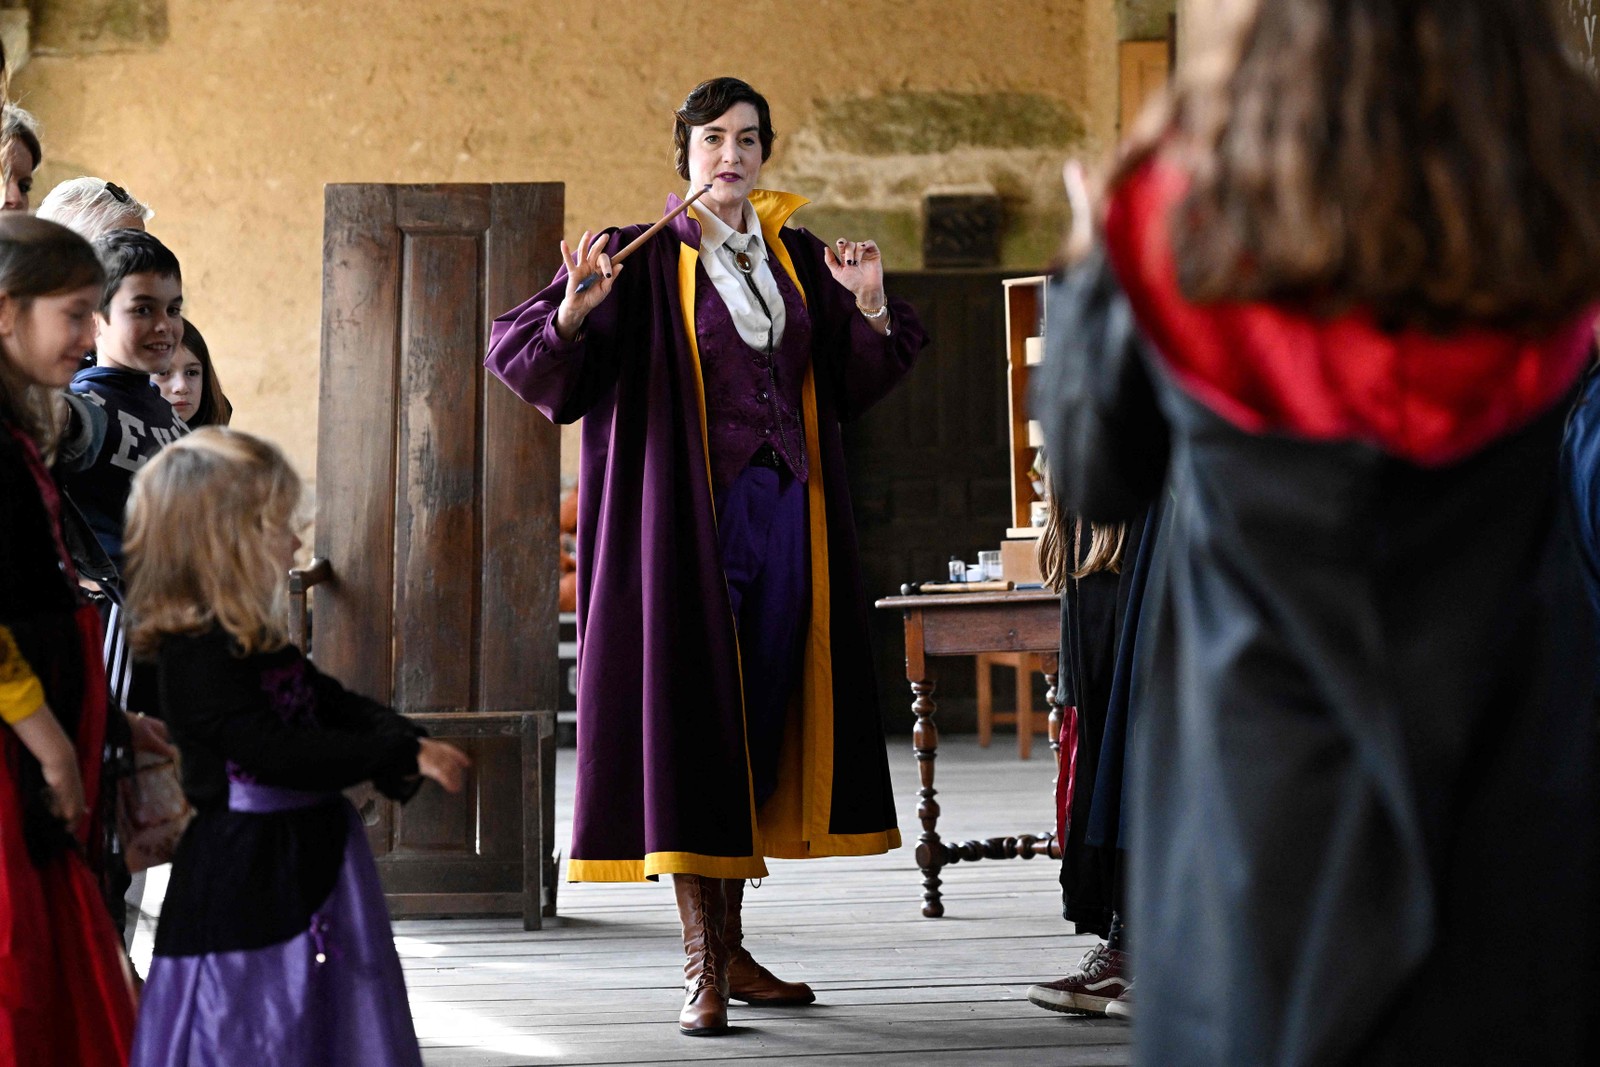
<point x="228" y="117"/>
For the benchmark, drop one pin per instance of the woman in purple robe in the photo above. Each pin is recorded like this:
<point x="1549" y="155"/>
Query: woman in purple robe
<point x="726" y="708"/>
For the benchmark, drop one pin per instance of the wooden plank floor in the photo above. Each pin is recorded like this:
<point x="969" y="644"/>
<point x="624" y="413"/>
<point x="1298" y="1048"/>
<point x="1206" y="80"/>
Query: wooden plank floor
<point x="601" y="983"/>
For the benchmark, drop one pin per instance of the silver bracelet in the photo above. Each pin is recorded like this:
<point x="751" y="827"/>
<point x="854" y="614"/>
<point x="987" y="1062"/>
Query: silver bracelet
<point x="874" y="316"/>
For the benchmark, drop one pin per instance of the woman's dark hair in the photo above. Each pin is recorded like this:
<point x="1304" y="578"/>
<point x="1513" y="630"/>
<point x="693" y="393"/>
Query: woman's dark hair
<point x="708" y="100"/>
<point x="213" y="409"/>
<point x="38" y="258"/>
<point x="19" y="125"/>
<point x="1434" y="161"/>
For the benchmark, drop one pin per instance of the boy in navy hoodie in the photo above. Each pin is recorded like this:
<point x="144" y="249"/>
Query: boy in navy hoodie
<point x="137" y="332"/>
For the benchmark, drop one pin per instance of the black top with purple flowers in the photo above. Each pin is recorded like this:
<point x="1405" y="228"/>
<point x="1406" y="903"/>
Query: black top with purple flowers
<point x="274" y="718"/>
<point x="247" y="879"/>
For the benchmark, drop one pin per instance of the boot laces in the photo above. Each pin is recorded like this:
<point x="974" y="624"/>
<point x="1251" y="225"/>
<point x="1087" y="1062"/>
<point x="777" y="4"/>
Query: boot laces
<point x="706" y="958"/>
<point x="708" y="973"/>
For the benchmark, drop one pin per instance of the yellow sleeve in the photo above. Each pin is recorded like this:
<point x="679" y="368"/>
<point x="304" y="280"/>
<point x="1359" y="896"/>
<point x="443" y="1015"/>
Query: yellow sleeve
<point x="20" y="692"/>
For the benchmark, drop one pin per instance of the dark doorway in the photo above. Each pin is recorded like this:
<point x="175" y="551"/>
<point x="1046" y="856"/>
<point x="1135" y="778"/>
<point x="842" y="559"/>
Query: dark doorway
<point x="928" y="470"/>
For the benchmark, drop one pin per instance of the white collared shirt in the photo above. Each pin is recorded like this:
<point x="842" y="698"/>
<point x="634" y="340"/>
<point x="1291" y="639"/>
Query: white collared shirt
<point x="716" y="256"/>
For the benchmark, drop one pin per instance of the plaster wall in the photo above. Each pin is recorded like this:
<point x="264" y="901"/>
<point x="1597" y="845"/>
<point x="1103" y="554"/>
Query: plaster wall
<point x="228" y="116"/>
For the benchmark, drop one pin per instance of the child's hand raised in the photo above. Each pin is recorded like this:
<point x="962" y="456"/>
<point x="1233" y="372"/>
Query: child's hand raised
<point x="443" y="763"/>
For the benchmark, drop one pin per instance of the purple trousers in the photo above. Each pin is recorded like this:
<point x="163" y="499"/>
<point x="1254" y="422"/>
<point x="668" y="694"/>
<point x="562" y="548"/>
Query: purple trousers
<point x="761" y="527"/>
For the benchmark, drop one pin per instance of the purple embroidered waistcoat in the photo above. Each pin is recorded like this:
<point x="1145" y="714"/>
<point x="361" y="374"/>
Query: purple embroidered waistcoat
<point x="742" y="411"/>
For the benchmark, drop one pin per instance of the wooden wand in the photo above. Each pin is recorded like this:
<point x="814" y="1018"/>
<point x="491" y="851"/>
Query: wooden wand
<point x="634" y="244"/>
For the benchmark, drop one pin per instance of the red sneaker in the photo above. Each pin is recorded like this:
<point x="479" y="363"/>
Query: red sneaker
<point x="1100" y="980"/>
<point x="1122" y="1007"/>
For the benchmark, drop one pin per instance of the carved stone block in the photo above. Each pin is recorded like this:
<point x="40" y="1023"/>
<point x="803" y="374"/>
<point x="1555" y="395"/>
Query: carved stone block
<point x="80" y="27"/>
<point x="962" y="230"/>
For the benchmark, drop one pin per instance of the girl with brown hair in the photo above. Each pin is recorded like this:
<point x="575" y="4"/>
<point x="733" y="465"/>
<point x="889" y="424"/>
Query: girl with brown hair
<point x="65" y="993"/>
<point x="190" y="384"/>
<point x="1098" y="569"/>
<point x="1346" y="287"/>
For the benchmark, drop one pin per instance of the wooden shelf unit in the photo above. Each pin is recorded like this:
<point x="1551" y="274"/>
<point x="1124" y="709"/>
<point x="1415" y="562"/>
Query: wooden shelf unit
<point x="1025" y="316"/>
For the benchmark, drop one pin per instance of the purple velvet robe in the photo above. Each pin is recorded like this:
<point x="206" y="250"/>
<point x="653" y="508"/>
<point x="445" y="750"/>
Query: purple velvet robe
<point x="663" y="777"/>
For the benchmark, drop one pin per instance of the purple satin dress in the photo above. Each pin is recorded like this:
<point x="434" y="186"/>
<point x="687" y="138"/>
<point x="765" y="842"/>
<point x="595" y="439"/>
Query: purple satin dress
<point x="332" y="996"/>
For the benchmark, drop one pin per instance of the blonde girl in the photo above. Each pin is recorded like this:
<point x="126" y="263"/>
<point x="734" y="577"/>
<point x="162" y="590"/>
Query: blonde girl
<point x="65" y="994"/>
<point x="274" y="943"/>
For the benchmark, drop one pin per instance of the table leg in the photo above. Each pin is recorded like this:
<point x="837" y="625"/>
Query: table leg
<point x="925" y="741"/>
<point x="1048" y="666"/>
<point x="930" y="850"/>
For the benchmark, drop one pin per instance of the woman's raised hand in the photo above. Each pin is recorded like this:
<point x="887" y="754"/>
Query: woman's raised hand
<point x="858" y="266"/>
<point x="445" y="764"/>
<point x="1080" y="238"/>
<point x="588" y="259"/>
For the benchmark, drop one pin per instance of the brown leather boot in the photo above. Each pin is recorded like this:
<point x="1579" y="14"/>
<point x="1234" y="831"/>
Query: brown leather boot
<point x="703" y="907"/>
<point x="748" y="980"/>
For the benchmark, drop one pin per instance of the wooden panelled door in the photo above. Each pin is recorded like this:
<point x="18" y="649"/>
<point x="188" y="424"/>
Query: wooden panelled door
<point x="437" y="508"/>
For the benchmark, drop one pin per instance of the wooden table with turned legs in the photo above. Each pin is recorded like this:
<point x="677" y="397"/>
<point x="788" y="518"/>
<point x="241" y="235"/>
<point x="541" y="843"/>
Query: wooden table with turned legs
<point x="964" y="624"/>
